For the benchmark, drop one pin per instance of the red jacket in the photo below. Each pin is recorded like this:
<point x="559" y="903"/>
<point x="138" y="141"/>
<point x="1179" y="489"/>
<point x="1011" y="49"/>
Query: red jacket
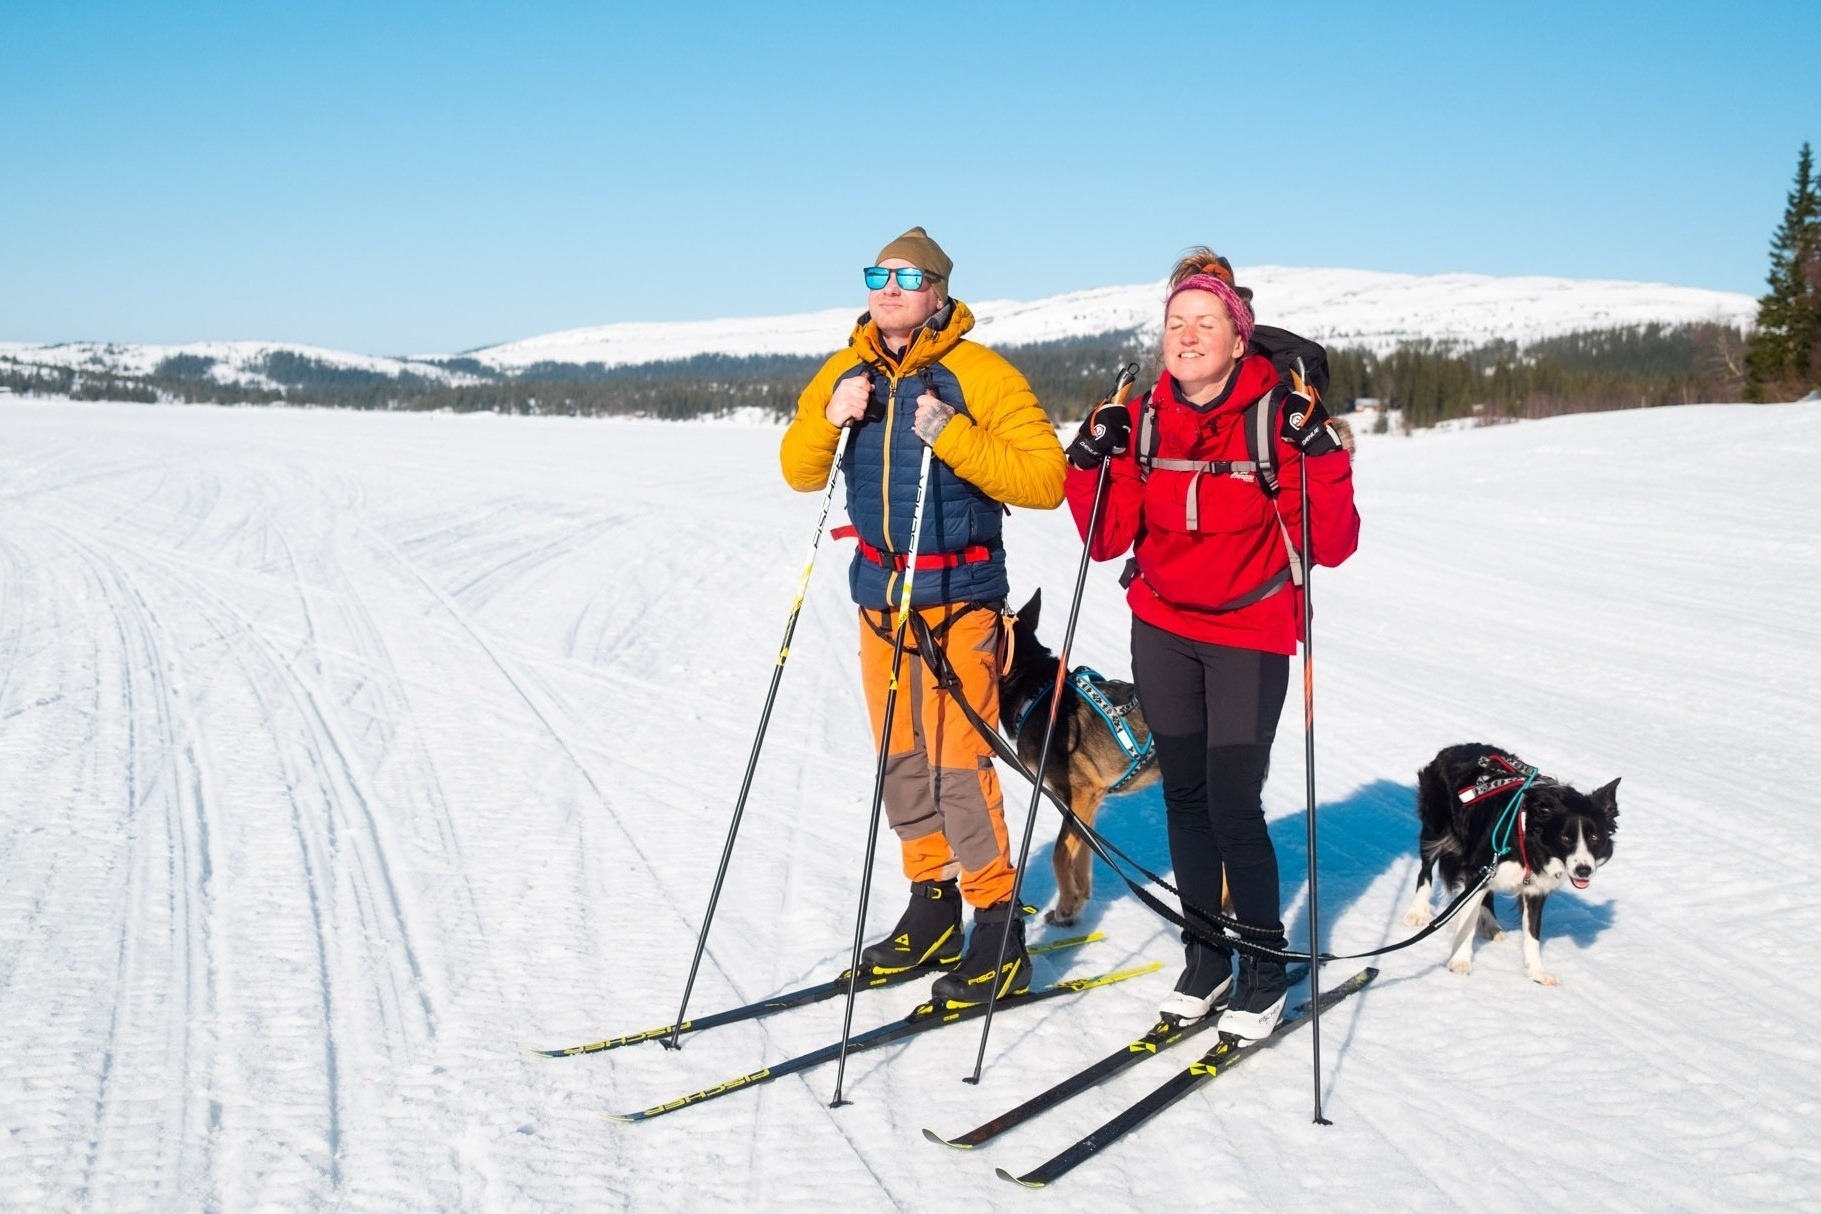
<point x="1236" y="544"/>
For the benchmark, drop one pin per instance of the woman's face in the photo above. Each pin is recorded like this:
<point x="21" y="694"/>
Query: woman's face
<point x="1201" y="344"/>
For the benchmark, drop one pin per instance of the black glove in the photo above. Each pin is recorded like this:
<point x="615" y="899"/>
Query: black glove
<point x="1105" y="432"/>
<point x="1306" y="425"/>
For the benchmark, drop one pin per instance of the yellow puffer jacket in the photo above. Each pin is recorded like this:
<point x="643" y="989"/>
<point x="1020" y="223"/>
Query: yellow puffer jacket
<point x="1000" y="449"/>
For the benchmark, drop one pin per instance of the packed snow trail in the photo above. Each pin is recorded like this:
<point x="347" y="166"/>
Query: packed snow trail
<point x="341" y="754"/>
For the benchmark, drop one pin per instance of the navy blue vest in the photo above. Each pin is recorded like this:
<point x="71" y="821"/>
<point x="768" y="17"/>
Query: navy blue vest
<point x="880" y="469"/>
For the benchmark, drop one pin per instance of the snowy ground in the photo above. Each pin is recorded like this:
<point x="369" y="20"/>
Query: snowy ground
<point x="340" y="754"/>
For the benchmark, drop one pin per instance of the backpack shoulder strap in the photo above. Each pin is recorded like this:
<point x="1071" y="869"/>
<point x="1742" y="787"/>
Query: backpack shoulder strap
<point x="1146" y="451"/>
<point x="1261" y="425"/>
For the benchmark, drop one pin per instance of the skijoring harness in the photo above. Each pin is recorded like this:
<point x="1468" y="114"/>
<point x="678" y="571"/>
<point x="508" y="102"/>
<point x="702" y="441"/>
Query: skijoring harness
<point x="1090" y="685"/>
<point x="899" y="561"/>
<point x="1500" y="774"/>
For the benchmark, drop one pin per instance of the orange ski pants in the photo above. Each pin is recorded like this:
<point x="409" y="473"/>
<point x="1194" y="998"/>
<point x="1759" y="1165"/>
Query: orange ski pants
<point x="942" y="795"/>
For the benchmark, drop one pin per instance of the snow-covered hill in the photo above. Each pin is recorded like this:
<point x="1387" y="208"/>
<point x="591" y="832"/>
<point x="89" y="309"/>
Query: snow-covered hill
<point x="229" y="362"/>
<point x="1340" y="307"/>
<point x="341" y="753"/>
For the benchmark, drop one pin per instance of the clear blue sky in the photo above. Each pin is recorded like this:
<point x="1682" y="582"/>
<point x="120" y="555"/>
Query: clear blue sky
<point x="404" y="177"/>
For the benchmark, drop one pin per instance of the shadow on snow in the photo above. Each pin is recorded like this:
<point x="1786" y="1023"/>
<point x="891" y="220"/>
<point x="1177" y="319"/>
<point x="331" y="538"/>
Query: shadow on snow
<point x="1362" y="836"/>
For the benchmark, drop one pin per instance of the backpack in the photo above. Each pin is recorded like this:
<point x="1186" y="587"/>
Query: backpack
<point x="1288" y="353"/>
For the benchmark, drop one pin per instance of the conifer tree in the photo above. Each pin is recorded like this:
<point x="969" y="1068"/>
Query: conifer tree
<point x="1783" y="357"/>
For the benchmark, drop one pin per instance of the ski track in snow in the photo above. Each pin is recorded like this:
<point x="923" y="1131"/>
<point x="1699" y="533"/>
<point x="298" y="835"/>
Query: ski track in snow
<point x="342" y="754"/>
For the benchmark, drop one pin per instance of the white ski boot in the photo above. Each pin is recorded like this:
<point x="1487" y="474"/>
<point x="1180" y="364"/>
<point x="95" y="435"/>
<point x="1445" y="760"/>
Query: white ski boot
<point x="1258" y="1001"/>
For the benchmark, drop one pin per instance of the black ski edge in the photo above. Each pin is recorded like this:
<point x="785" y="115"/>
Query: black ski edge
<point x="1216" y="1062"/>
<point x="802" y="997"/>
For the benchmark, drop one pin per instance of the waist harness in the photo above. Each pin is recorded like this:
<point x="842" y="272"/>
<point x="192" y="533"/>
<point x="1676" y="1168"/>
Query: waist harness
<point x="972" y="554"/>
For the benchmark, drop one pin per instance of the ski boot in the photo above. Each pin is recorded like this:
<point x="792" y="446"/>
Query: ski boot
<point x="928" y="934"/>
<point x="1203" y="987"/>
<point x="1258" y="1000"/>
<point x="973" y="981"/>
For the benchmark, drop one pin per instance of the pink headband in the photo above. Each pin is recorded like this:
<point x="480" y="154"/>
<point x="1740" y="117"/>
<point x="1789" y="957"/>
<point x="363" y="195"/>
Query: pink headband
<point x="1228" y="297"/>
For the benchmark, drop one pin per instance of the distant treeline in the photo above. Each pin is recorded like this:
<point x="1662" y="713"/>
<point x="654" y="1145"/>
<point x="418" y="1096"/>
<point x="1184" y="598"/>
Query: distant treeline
<point x="1576" y="373"/>
<point x="1599" y="369"/>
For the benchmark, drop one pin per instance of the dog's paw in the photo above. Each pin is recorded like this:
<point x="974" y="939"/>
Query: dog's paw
<point x="1461" y="965"/>
<point x="1419" y="916"/>
<point x="1493" y="934"/>
<point x="1060" y="917"/>
<point x="1542" y="977"/>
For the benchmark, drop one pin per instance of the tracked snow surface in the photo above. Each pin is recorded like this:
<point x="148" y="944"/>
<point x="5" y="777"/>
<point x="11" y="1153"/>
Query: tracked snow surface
<point x="343" y="753"/>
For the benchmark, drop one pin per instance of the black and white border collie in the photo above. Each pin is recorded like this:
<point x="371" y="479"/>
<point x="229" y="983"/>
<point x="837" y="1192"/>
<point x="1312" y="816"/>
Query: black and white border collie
<point x="1567" y="836"/>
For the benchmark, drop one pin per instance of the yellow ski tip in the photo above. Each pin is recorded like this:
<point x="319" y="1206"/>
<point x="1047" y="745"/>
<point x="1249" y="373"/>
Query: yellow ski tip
<point x="1085" y="984"/>
<point x="940" y="1141"/>
<point x="1051" y="946"/>
<point x="1029" y="1184"/>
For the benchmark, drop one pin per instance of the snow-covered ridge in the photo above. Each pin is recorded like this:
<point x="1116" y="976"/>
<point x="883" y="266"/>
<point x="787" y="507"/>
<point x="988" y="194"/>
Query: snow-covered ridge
<point x="1358" y="308"/>
<point x="1337" y="307"/>
<point x="235" y="362"/>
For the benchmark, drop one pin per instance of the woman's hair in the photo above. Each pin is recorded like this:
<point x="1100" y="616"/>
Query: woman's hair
<point x="1203" y="260"/>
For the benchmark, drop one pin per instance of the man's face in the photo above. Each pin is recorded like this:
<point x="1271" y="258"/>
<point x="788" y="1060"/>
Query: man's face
<point x="897" y="311"/>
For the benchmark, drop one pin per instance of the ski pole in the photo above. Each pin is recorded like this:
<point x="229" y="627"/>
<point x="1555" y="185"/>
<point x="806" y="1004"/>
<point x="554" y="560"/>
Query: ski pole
<point x="1121" y="387"/>
<point x="1308" y="619"/>
<point x="885" y="741"/>
<point x="758" y="741"/>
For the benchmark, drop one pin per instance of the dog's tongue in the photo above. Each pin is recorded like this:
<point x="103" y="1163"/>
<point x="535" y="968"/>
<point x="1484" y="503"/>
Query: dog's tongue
<point x="1581" y="882"/>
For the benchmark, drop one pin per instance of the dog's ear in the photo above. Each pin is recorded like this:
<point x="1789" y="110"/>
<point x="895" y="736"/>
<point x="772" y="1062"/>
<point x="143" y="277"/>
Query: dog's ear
<point x="1027" y="614"/>
<point x="1605" y="798"/>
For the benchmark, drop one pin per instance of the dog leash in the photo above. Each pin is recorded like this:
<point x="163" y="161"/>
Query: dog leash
<point x="1226" y="931"/>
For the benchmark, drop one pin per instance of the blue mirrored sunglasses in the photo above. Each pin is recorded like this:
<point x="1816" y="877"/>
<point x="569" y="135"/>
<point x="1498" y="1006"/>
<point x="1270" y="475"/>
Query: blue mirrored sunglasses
<point x="910" y="278"/>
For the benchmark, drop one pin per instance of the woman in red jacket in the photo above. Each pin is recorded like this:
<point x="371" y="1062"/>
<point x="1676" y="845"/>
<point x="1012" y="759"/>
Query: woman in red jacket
<point x="1215" y="616"/>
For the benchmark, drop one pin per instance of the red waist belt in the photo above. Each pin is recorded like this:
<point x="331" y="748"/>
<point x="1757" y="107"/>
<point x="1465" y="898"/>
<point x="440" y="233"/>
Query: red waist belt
<point x="899" y="561"/>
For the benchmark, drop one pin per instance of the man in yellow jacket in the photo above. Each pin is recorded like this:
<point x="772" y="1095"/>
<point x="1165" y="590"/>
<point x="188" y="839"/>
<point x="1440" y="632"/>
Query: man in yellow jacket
<point x="909" y="378"/>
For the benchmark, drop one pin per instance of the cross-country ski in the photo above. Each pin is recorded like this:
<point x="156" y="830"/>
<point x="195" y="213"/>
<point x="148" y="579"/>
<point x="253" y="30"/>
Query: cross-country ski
<point x="801" y="997"/>
<point x="921" y="1019"/>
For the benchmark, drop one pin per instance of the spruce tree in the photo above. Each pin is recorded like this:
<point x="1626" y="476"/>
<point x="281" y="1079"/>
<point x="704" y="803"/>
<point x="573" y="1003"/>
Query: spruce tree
<point x="1783" y="357"/>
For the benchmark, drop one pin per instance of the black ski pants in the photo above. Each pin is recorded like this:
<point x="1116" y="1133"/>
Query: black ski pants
<point x="1213" y="711"/>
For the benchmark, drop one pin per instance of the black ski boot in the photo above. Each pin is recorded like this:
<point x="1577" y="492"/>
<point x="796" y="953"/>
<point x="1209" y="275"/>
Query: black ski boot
<point x="1203" y="987"/>
<point x="973" y="982"/>
<point x="1258" y="1000"/>
<point x="928" y="934"/>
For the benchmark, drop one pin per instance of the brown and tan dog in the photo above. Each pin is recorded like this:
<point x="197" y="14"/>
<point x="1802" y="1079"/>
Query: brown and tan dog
<point x="1085" y="759"/>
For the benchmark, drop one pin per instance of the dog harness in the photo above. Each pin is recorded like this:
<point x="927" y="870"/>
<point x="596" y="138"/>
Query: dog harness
<point x="1499" y="774"/>
<point x="1090" y="685"/>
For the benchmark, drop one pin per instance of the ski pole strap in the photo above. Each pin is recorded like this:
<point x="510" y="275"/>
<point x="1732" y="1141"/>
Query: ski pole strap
<point x="1211" y="927"/>
<point x="972" y="554"/>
